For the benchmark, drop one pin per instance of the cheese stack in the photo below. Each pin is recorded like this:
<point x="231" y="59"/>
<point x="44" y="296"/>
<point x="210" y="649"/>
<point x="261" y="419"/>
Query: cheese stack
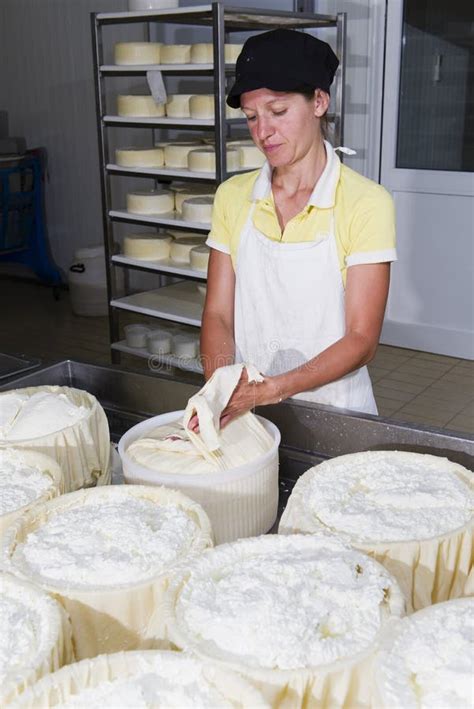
<point x="146" y="246"/>
<point x="300" y="617"/>
<point x="412" y="512"/>
<point x="183" y="192"/>
<point x="176" y="154"/>
<point x="175" y="53"/>
<point x="110" y="569"/>
<point x="139" y="157"/>
<point x="180" y="249"/>
<point x="202" y="107"/>
<point x="150" y="202"/>
<point x="197" y="209"/>
<point x="204" y="160"/>
<point x="132" y="53"/>
<point x="35" y="636"/>
<point x="134" y="106"/>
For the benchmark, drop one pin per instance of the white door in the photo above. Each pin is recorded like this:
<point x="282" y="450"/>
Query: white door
<point x="427" y="164"/>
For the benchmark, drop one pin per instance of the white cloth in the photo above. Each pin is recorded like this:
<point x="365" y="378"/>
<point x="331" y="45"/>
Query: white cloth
<point x="289" y="307"/>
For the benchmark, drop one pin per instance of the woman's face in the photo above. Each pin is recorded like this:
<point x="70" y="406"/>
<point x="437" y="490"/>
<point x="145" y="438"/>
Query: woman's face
<point x="283" y="125"/>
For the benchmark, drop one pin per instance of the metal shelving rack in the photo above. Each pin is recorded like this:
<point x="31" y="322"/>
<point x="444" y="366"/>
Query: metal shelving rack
<point x="223" y="20"/>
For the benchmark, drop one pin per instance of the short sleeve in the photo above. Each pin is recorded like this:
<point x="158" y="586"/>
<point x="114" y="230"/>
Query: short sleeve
<point x="372" y="229"/>
<point x="220" y="235"/>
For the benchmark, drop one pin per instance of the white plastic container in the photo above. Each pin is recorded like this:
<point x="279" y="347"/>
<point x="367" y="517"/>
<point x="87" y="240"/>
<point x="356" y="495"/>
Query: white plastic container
<point x="88" y="282"/>
<point x="242" y="502"/>
<point x="136" y="335"/>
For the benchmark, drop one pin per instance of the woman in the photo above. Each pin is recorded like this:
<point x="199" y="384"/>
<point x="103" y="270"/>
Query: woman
<point x="301" y="249"/>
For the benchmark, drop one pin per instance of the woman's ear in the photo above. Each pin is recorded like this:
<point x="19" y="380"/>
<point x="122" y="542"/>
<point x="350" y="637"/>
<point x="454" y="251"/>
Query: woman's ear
<point x="321" y="103"/>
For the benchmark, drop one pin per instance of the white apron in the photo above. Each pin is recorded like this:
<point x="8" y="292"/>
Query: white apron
<point x="289" y="307"/>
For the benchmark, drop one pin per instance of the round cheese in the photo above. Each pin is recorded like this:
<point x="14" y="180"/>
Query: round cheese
<point x="176" y="54"/>
<point x="25" y="417"/>
<point x="185" y="345"/>
<point x="181" y="249"/>
<point x="130" y="53"/>
<point x="159" y="342"/>
<point x="202" y="53"/>
<point x="177" y="105"/>
<point x="199" y="258"/>
<point x="250" y="156"/>
<point x="35" y="638"/>
<point x="176" y="154"/>
<point x="427" y="661"/>
<point x="231" y="52"/>
<point x="201" y="106"/>
<point x="136" y="334"/>
<point x="190" y="191"/>
<point x="149" y="247"/>
<point x="197" y="209"/>
<point x="204" y="160"/>
<point x="150" y="202"/>
<point x="138" y="157"/>
<point x="134" y="106"/>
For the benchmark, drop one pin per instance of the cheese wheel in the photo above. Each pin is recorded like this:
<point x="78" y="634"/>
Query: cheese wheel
<point x="129" y="53"/>
<point x="150" y="202"/>
<point x="138" y="157"/>
<point x="199" y="258"/>
<point x="176" y="154"/>
<point x="177" y="106"/>
<point x="141" y="5"/>
<point x="159" y="342"/>
<point x="197" y="209"/>
<point x="250" y="156"/>
<point x="136" y="334"/>
<point x="190" y="191"/>
<point x="204" y="160"/>
<point x="180" y="235"/>
<point x="201" y="106"/>
<point x="231" y="52"/>
<point x="180" y="249"/>
<point x="185" y="345"/>
<point x="176" y="54"/>
<point x="135" y="106"/>
<point x="149" y="247"/>
<point x="202" y="53"/>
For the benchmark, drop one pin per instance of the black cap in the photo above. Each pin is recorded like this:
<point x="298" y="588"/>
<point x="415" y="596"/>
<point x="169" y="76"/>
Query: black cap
<point x="283" y="60"/>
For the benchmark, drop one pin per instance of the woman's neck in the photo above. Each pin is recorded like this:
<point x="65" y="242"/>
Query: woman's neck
<point x="302" y="175"/>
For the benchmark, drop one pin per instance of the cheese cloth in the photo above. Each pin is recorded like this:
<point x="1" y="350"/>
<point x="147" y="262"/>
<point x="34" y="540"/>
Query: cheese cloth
<point x="428" y="571"/>
<point x="176" y="449"/>
<point x="107" y="618"/>
<point x="60" y="687"/>
<point x="58" y="650"/>
<point x="82" y="450"/>
<point x="47" y="466"/>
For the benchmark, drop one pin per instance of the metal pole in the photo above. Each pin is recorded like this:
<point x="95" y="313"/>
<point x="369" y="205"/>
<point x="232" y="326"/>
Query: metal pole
<point x="341" y="77"/>
<point x="218" y="37"/>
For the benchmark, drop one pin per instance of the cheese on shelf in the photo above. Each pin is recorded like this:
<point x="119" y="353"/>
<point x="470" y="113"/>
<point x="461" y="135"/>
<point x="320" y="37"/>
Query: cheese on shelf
<point x="201" y="106"/>
<point x="231" y="52"/>
<point x="204" y="160"/>
<point x="139" y="157"/>
<point x="135" y="106"/>
<point x="202" y="53"/>
<point x="250" y="156"/>
<point x="197" y="209"/>
<point x="190" y="191"/>
<point x="176" y="154"/>
<point x="130" y="53"/>
<point x="176" y="54"/>
<point x="159" y="342"/>
<point x="180" y="249"/>
<point x="199" y="258"/>
<point x="179" y="235"/>
<point x="185" y="345"/>
<point x="150" y="202"/>
<point x="177" y="106"/>
<point x="146" y="246"/>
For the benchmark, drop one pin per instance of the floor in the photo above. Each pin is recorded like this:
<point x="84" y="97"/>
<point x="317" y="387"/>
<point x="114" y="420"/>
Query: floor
<point x="410" y="386"/>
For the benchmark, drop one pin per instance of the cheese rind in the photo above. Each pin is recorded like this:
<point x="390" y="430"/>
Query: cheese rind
<point x="197" y="209"/>
<point x="130" y="53"/>
<point x="177" y="106"/>
<point x="176" y="54"/>
<point x="149" y="247"/>
<point x="204" y="160"/>
<point x="150" y="202"/>
<point x="139" y="106"/>
<point x="139" y="157"/>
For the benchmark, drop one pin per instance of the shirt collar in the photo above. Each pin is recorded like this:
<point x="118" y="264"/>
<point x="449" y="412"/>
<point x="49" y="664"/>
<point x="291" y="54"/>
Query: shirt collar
<point x="323" y="195"/>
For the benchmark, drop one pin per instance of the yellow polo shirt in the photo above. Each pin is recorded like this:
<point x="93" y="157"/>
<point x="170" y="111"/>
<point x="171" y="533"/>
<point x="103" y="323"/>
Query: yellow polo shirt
<point x="363" y="212"/>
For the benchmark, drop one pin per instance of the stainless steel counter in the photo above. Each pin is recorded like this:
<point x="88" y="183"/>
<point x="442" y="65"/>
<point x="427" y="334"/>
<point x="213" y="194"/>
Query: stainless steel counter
<point x="310" y="432"/>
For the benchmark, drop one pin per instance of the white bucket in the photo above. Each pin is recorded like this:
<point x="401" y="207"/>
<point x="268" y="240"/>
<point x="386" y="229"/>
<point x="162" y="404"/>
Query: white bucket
<point x="242" y="502"/>
<point x="88" y="282"/>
